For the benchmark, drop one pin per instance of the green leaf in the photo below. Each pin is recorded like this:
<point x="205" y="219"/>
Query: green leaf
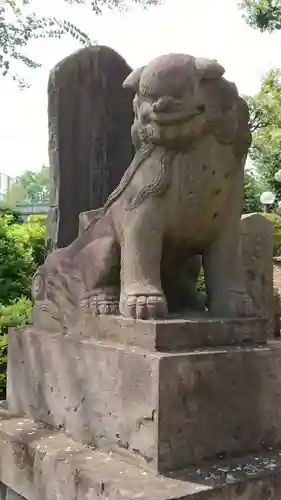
<point x="262" y="14"/>
<point x="18" y="26"/>
<point x="265" y="122"/>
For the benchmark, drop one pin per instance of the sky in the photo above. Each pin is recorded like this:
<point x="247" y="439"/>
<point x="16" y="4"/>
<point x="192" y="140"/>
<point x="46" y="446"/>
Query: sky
<point x="208" y="28"/>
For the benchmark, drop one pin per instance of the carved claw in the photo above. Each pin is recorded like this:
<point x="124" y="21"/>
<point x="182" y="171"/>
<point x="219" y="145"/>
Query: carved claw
<point x="104" y="307"/>
<point x="143" y="306"/>
<point x="102" y="303"/>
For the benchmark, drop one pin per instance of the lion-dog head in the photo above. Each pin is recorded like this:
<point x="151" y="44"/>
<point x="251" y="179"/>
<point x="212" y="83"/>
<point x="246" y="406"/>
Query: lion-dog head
<point x="179" y="98"/>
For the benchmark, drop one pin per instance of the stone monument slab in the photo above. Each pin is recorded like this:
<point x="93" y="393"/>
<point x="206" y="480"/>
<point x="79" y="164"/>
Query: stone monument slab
<point x="257" y="241"/>
<point x="90" y="119"/>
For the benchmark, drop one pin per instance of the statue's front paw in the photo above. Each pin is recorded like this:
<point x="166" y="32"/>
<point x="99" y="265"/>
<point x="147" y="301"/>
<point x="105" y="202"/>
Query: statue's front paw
<point x="143" y="306"/>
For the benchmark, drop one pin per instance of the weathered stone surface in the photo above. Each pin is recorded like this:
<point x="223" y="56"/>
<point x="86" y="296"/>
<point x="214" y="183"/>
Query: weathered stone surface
<point x="160" y="410"/>
<point x="102" y="395"/>
<point x="41" y="463"/>
<point x="175" y="334"/>
<point x="181" y="197"/>
<point x="90" y="119"/>
<point x="257" y="240"/>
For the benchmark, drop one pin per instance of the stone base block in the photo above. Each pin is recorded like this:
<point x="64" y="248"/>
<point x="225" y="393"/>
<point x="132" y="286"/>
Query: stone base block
<point x="176" y="334"/>
<point x="161" y="410"/>
<point x="40" y="463"/>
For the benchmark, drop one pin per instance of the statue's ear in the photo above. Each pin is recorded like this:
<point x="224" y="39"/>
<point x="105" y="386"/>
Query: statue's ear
<point x="132" y="81"/>
<point x="208" y="68"/>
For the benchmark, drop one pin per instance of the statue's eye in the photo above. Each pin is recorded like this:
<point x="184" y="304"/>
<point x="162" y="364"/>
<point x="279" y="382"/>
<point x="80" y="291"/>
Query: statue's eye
<point x="201" y="108"/>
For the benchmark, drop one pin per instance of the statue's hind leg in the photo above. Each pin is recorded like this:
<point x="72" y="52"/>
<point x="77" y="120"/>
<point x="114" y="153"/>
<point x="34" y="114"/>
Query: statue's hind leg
<point x="226" y="290"/>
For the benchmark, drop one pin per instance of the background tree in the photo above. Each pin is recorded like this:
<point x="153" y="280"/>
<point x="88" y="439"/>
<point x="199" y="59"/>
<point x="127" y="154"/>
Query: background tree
<point x="265" y="121"/>
<point x="19" y="24"/>
<point x="265" y="107"/>
<point x="15" y="217"/>
<point x="263" y="14"/>
<point x="30" y="187"/>
<point x="252" y="192"/>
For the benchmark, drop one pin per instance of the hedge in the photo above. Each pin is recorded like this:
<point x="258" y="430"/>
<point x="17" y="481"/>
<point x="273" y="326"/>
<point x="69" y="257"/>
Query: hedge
<point x="276" y="221"/>
<point x="22" y="249"/>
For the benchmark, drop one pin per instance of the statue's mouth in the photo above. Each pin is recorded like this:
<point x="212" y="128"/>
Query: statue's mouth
<point x="173" y="118"/>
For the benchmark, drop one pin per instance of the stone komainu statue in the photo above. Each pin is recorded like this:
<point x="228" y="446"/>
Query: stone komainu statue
<point x="180" y="199"/>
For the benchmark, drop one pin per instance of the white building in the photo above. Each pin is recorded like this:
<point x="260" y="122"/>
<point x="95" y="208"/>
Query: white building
<point x="5" y="181"/>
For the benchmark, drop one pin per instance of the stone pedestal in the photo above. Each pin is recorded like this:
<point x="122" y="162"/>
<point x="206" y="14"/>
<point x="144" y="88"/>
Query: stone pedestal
<point x="138" y="398"/>
<point x="162" y="410"/>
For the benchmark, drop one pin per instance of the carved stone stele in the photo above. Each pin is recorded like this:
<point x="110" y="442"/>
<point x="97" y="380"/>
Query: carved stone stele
<point x="90" y="117"/>
<point x="257" y="242"/>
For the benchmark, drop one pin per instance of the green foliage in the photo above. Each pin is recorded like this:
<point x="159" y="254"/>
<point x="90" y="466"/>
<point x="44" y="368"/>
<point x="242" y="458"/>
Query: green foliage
<point x="98" y="5"/>
<point x="262" y="14"/>
<point x="252" y="192"/>
<point x="265" y="121"/>
<point x="276" y="221"/>
<point x="22" y="249"/>
<point x="32" y="236"/>
<point x="3" y="365"/>
<point x="16" y="264"/>
<point x="19" y="24"/>
<point x="201" y="282"/>
<point x="37" y="219"/>
<point x="30" y="187"/>
<point x="15" y="217"/>
<point x="16" y="314"/>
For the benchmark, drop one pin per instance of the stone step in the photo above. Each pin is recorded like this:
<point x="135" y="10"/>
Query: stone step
<point x="176" y="334"/>
<point x="40" y="463"/>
